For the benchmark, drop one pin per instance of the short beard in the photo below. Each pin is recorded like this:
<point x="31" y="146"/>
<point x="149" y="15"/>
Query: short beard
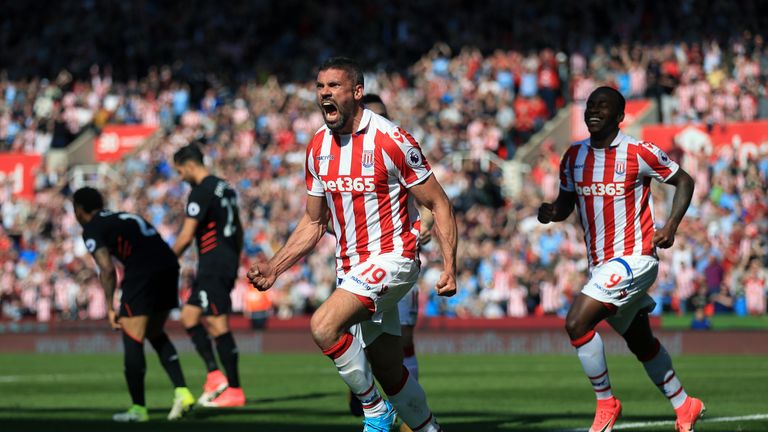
<point x="339" y="124"/>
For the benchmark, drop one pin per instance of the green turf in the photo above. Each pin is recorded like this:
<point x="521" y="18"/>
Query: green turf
<point x="719" y="322"/>
<point x="295" y="393"/>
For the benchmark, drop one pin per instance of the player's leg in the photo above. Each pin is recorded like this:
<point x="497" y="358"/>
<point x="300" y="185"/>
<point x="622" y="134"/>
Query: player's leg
<point x="409" y="350"/>
<point x="191" y="313"/>
<point x="402" y="389"/>
<point x="217" y="318"/>
<point x="612" y="288"/>
<point x="233" y="395"/>
<point x="409" y="361"/>
<point x="585" y="313"/>
<point x="134" y="330"/>
<point x="408" y="309"/>
<point x="162" y="344"/>
<point x="169" y="359"/>
<point x="330" y="327"/>
<point x="658" y="366"/>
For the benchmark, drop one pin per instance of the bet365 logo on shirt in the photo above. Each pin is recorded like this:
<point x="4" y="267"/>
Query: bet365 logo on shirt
<point x="349" y="184"/>
<point x="601" y="189"/>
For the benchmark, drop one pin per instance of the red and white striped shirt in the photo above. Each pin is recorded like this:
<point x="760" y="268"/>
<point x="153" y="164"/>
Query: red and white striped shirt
<point x="365" y="178"/>
<point x="614" y="202"/>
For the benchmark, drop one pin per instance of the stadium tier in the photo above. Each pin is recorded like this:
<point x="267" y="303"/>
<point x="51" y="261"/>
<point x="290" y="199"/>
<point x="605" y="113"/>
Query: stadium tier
<point x="467" y="104"/>
<point x="440" y="197"/>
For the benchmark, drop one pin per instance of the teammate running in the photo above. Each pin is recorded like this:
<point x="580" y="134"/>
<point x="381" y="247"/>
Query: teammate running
<point x="608" y="179"/>
<point x="363" y="172"/>
<point x="149" y="291"/>
<point x="214" y="222"/>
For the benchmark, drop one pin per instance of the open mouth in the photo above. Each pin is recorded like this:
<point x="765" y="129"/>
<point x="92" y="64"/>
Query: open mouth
<point x="594" y="121"/>
<point x="330" y="110"/>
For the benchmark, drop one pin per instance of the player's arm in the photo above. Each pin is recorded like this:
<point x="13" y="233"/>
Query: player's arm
<point x="308" y="232"/>
<point x="185" y="237"/>
<point x="432" y="196"/>
<point x="240" y="233"/>
<point x="684" y="185"/>
<point x="108" y="279"/>
<point x="560" y="209"/>
<point x="107" y="273"/>
<point x="427" y="222"/>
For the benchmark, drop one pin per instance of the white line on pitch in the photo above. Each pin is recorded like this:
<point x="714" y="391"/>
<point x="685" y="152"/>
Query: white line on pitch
<point x="92" y="376"/>
<point x="670" y="422"/>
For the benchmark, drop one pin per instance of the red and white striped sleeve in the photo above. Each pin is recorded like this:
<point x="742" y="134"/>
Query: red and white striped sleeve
<point x="314" y="184"/>
<point x="566" y="174"/>
<point x="654" y="162"/>
<point x="407" y="157"/>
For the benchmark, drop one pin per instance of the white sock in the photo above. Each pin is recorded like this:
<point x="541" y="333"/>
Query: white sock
<point x="410" y="362"/>
<point x="658" y="365"/>
<point x="354" y="369"/>
<point x="411" y="404"/>
<point x="592" y="356"/>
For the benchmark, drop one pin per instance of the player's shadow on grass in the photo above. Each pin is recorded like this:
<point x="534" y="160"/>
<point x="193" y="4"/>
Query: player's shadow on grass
<point x="250" y="411"/>
<point x="9" y="411"/>
<point x="455" y="421"/>
<point x="344" y="423"/>
<point x="252" y="418"/>
<point x="289" y="398"/>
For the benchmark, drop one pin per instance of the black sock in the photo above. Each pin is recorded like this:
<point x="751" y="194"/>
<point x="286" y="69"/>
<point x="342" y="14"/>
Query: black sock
<point x="203" y="346"/>
<point x="168" y="358"/>
<point x="225" y="345"/>
<point x="135" y="367"/>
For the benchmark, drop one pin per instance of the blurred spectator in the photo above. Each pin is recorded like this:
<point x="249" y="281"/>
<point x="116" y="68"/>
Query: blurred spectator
<point x="494" y="82"/>
<point x="701" y="321"/>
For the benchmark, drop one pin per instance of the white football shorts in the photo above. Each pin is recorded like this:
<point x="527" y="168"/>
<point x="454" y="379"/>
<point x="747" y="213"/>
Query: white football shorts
<point x="385" y="279"/>
<point x="624" y="282"/>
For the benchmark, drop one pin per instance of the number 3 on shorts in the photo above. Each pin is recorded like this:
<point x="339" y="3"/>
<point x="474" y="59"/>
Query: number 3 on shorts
<point x="377" y="275"/>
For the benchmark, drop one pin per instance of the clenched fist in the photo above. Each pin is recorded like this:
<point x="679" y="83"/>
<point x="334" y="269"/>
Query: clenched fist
<point x="547" y="212"/>
<point x="446" y="286"/>
<point x="262" y="276"/>
<point x="664" y="238"/>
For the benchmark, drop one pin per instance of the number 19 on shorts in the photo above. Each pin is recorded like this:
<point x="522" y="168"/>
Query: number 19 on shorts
<point x="377" y="274"/>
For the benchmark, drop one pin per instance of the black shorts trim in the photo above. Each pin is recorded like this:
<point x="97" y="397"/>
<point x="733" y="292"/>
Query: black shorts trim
<point x="148" y="293"/>
<point x="211" y="293"/>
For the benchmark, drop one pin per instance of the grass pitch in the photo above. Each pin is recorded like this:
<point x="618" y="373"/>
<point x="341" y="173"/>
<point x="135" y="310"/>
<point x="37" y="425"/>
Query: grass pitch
<point x="292" y="393"/>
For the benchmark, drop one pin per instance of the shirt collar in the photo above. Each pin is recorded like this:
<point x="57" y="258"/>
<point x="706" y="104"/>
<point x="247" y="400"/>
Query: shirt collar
<point x="364" y="121"/>
<point x="616" y="141"/>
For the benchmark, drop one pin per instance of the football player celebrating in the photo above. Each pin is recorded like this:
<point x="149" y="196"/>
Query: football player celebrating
<point x="607" y="178"/>
<point x="366" y="174"/>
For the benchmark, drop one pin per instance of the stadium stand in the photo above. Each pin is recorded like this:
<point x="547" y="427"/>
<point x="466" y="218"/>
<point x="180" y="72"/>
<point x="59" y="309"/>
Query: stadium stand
<point x="227" y="85"/>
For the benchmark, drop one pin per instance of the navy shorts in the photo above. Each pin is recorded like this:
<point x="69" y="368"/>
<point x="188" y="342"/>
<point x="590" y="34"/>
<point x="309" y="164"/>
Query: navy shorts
<point x="144" y="293"/>
<point x="211" y="293"/>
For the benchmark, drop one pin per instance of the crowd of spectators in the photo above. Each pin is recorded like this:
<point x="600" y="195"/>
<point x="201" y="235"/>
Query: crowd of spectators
<point x="452" y="99"/>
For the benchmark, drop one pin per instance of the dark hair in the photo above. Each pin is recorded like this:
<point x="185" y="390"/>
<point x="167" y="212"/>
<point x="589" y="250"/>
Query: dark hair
<point x="188" y="152"/>
<point x="616" y="95"/>
<point x="371" y="98"/>
<point x="88" y="198"/>
<point x="351" y="67"/>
